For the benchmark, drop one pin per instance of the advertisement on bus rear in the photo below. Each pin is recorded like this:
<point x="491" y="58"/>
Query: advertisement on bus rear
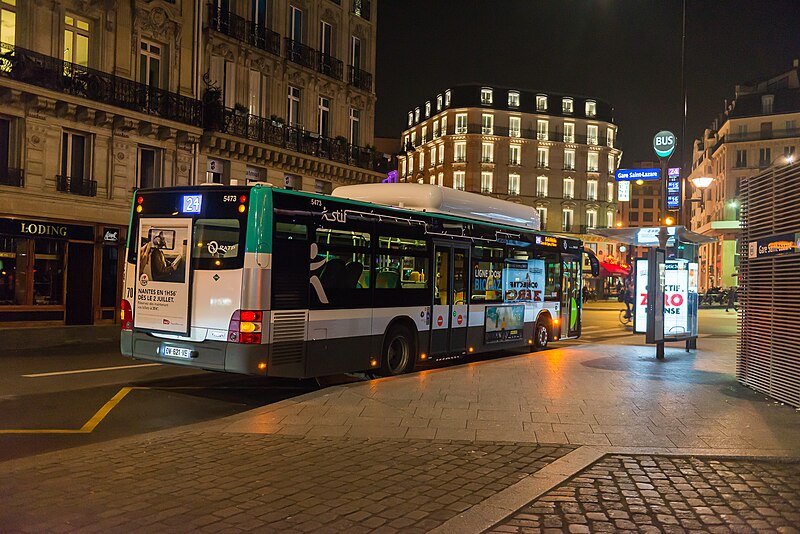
<point x="162" y="275"/>
<point x="504" y="323"/>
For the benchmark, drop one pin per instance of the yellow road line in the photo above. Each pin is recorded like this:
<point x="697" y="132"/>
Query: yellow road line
<point x="90" y="425"/>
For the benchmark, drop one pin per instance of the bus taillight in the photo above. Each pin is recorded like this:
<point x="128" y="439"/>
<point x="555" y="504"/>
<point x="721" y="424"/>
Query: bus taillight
<point x="126" y="315"/>
<point x="245" y="327"/>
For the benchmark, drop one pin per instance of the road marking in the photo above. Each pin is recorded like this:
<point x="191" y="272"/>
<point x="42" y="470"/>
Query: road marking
<point x="88" y="427"/>
<point x="95" y="370"/>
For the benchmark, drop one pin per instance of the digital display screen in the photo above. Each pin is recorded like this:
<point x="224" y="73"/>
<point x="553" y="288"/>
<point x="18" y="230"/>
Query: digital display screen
<point x="191" y="203"/>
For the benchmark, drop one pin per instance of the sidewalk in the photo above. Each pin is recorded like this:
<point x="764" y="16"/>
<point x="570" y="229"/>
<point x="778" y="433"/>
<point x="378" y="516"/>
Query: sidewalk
<point x="595" y="437"/>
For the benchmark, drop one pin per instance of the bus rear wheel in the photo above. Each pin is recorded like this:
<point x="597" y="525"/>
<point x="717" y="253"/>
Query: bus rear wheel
<point x="399" y="351"/>
<point x="541" y="334"/>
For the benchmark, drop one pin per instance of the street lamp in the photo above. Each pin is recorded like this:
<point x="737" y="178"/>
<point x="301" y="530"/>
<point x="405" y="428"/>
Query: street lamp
<point x="701" y="183"/>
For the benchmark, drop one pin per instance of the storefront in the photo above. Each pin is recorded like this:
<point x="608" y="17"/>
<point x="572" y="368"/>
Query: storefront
<point x="57" y="272"/>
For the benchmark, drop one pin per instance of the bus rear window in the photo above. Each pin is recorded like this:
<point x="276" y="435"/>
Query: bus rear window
<point x="217" y="244"/>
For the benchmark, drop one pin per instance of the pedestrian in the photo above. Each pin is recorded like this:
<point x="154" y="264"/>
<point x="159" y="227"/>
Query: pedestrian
<point x="628" y="298"/>
<point x="731" y="302"/>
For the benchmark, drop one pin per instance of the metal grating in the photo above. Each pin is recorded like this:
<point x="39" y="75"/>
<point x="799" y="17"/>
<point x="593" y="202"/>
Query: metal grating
<point x="288" y="337"/>
<point x="768" y="349"/>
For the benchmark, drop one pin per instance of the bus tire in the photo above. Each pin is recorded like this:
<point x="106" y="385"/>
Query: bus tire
<point x="541" y="333"/>
<point x="399" y="351"/>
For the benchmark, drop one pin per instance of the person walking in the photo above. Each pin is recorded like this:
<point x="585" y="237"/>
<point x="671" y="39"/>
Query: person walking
<point x="731" y="302"/>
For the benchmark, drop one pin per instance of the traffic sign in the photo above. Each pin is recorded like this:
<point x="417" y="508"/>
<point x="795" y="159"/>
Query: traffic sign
<point x="664" y="144"/>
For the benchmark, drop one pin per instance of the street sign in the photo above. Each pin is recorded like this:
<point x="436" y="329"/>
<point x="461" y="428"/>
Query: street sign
<point x="664" y="144"/>
<point x="674" y="188"/>
<point x="631" y="175"/>
<point x="624" y="191"/>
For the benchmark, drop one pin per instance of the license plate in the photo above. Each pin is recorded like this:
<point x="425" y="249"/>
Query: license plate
<point x="176" y="352"/>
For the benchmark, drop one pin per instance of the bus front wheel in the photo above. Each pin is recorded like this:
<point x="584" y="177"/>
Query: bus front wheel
<point x="399" y="351"/>
<point x="541" y="334"/>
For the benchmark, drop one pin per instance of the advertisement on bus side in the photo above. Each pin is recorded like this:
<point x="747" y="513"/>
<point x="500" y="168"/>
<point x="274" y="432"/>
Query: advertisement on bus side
<point x="504" y="323"/>
<point x="523" y="281"/>
<point x="161" y="300"/>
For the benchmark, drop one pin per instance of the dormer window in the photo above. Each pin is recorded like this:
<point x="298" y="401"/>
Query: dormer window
<point x="766" y="103"/>
<point x="439" y="103"/>
<point x="513" y="99"/>
<point x="410" y="118"/>
<point x="591" y="108"/>
<point x="447" y="98"/>
<point x="416" y="114"/>
<point x="486" y="95"/>
<point x="427" y="109"/>
<point x="567" y="105"/>
<point x="541" y="103"/>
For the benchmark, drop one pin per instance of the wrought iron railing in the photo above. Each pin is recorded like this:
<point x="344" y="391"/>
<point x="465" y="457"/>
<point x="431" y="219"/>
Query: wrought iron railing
<point x="252" y="33"/>
<point x="76" y="186"/>
<point x="12" y="177"/>
<point x="299" y="53"/>
<point x="359" y="78"/>
<point x="330" y="66"/>
<point x="55" y="74"/>
<point x="267" y="131"/>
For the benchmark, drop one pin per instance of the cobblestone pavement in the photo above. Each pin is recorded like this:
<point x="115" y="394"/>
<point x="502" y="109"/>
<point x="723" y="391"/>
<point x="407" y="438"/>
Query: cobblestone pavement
<point x="622" y="493"/>
<point x="224" y="482"/>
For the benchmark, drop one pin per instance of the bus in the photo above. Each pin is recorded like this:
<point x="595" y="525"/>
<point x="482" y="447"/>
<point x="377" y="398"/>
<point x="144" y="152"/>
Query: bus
<point x="378" y="278"/>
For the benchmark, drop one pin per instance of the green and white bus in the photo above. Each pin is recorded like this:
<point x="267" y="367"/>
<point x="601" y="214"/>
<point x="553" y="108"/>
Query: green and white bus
<point x="378" y="278"/>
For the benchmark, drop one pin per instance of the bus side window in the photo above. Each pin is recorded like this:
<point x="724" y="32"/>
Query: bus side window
<point x="552" y="280"/>
<point x="487" y="274"/>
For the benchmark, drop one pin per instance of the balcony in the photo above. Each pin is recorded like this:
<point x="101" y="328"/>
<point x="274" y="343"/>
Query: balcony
<point x="254" y="34"/>
<point x="266" y="131"/>
<point x="486" y="190"/>
<point x="12" y="177"/>
<point x="358" y="78"/>
<point x="487" y="159"/>
<point x="514" y="162"/>
<point x="54" y="74"/>
<point x="299" y="53"/>
<point x="76" y="186"/>
<point x="542" y="136"/>
<point x="361" y="8"/>
<point x="330" y="66"/>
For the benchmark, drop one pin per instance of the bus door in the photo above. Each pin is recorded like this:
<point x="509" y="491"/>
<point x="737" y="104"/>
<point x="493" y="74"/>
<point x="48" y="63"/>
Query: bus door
<point x="570" y="295"/>
<point x="450" y="310"/>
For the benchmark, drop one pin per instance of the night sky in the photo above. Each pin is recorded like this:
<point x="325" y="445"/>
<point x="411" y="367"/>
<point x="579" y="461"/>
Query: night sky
<point x="626" y="52"/>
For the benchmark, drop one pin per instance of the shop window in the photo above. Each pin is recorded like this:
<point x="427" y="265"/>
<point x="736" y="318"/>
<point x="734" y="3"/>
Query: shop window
<point x="48" y="272"/>
<point x="108" y="284"/>
<point x="13" y="270"/>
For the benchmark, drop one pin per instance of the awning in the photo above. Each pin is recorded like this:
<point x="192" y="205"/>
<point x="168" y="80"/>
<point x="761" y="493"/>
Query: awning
<point x="648" y="237"/>
<point x="613" y="269"/>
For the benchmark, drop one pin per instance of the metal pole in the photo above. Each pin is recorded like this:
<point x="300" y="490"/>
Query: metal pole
<point x="685" y="213"/>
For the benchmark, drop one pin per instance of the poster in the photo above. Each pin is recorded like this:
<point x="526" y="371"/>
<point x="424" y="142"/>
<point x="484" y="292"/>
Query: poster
<point x="504" y="323"/>
<point x="680" y="297"/>
<point x="523" y="281"/>
<point x="640" y="297"/>
<point x="162" y="275"/>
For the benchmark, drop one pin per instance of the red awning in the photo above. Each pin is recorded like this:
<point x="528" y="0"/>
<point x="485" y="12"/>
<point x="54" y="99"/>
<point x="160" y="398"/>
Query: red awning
<point x="612" y="269"/>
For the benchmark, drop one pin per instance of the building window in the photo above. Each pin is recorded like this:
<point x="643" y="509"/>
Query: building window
<point x="416" y="114"/>
<point x="591" y="190"/>
<point x="542" y="211"/>
<point x="591" y="134"/>
<point x="424" y="134"/>
<point x="592" y="163"/>
<point x="444" y="124"/>
<point x="566" y="220"/>
<point x="569" y="132"/>
<point x="461" y="123"/>
<point x="542" y="158"/>
<point x="447" y="98"/>
<point x="541" y="186"/>
<point x="591" y="108"/>
<point x="324" y="116"/>
<point x="295" y="24"/>
<point x="514" y="152"/>
<point x="410" y="118"/>
<point x="633" y="216"/>
<point x="764" y="157"/>
<point x="421" y="161"/>
<point x="486" y="95"/>
<point x="432" y="179"/>
<point x="610" y="137"/>
<point x="569" y="188"/>
<point x="460" y="153"/>
<point x="438" y="102"/>
<point x="436" y="129"/>
<point x="486" y="182"/>
<point x="611" y="164"/>
<point x="433" y="155"/>
<point x="76" y="40"/>
<point x="8" y="21"/>
<point x="788" y="153"/>
<point x="411" y="164"/>
<point x="458" y="180"/>
<point x="610" y="218"/>
<point x="647" y="203"/>
<point x="427" y="109"/>
<point x="741" y="158"/>
<point x="610" y="192"/>
<point x="441" y="154"/>
<point x="402" y="167"/>
<point x="541" y="103"/>
<point x="293" y="110"/>
<point x="513" y="99"/>
<point x="569" y="160"/>
<point x="541" y="130"/>
<point x="566" y="105"/>
<point x="414" y="138"/>
<point x="487" y="152"/>
<point x="325" y="41"/>
<point x="767" y="102"/>
<point x="514" y="127"/>
<point x="75" y="156"/>
<point x="513" y="185"/>
<point x="487" y="124"/>
<point x="591" y="218"/>
<point x="441" y="179"/>
<point x="149" y="167"/>
<point x="355" y="52"/>
<point x="647" y="216"/>
<point x="355" y="127"/>
<point x="257" y="94"/>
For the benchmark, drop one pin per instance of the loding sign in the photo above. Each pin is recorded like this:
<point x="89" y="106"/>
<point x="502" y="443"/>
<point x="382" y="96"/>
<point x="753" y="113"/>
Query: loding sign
<point x="51" y="230"/>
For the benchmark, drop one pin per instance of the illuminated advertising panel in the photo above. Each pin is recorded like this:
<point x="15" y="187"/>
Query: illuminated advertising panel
<point x="680" y="298"/>
<point x="523" y="281"/>
<point x="640" y="297"/>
